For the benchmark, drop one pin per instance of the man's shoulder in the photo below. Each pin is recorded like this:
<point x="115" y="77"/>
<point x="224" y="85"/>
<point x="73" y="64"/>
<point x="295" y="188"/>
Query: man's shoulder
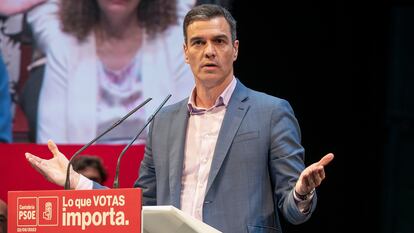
<point x="266" y="99"/>
<point x="260" y="99"/>
<point x="243" y="91"/>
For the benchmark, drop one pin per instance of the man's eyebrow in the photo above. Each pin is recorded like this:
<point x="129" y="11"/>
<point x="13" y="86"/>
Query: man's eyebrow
<point x="196" y="38"/>
<point x="220" y="37"/>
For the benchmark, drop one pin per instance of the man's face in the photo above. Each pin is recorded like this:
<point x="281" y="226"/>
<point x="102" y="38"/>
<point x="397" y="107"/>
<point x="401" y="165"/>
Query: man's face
<point x="210" y="51"/>
<point x="3" y="217"/>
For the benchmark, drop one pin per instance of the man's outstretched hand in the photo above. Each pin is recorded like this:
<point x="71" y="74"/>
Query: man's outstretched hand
<point x="54" y="169"/>
<point x="313" y="175"/>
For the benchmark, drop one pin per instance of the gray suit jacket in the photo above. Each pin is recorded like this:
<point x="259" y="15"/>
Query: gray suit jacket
<point x="256" y="163"/>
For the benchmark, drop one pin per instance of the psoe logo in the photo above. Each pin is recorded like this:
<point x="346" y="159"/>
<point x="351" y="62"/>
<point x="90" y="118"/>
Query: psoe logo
<point x="26" y="211"/>
<point x="48" y="211"/>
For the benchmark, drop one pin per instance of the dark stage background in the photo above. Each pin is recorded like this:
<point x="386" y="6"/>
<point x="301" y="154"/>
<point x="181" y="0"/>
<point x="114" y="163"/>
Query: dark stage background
<point x="346" y="67"/>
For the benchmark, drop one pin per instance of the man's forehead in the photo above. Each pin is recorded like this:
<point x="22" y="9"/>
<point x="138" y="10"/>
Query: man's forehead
<point x="217" y="25"/>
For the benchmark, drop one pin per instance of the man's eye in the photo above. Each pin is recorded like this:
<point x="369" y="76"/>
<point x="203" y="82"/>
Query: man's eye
<point x="220" y="41"/>
<point x="197" y="42"/>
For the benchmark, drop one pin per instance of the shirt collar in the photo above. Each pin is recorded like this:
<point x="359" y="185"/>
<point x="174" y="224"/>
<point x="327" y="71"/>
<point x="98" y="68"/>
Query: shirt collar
<point x="222" y="100"/>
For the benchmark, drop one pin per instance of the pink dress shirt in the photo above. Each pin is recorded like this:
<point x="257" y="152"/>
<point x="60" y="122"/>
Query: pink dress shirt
<point x="202" y="132"/>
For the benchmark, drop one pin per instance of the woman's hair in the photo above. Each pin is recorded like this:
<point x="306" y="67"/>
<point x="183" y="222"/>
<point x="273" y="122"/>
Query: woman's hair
<point x="79" y="17"/>
<point x="83" y="162"/>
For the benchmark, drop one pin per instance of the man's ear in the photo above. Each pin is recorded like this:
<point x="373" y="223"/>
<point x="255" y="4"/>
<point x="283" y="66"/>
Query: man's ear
<point x="236" y="49"/>
<point x="185" y="52"/>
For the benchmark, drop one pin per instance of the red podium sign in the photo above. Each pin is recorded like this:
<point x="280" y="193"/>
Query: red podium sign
<point x="97" y="211"/>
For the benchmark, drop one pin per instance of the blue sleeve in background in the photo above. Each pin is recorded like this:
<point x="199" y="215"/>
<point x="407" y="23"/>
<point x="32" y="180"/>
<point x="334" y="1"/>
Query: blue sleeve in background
<point x="5" y="105"/>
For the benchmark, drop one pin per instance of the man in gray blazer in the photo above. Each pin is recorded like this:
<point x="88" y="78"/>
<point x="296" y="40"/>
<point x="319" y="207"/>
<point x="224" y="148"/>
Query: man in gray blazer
<point x="228" y="155"/>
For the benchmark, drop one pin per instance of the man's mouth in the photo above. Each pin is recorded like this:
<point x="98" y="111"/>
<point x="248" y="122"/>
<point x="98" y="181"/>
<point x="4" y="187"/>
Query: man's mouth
<point x="208" y="65"/>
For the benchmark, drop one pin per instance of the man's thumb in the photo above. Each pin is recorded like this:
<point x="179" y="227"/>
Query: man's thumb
<point x="326" y="159"/>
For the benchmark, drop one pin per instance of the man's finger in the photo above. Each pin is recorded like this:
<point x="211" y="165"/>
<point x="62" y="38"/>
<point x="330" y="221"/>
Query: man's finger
<point x="322" y="173"/>
<point x="326" y="159"/>
<point x="33" y="157"/>
<point x="35" y="162"/>
<point x="53" y="148"/>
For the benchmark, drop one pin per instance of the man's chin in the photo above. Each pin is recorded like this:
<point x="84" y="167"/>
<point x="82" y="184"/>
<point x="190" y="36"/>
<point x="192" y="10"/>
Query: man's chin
<point x="209" y="76"/>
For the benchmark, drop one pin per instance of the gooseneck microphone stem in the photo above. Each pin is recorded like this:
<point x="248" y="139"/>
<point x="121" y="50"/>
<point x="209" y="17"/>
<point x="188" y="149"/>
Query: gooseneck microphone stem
<point x="116" y="179"/>
<point x="67" y="181"/>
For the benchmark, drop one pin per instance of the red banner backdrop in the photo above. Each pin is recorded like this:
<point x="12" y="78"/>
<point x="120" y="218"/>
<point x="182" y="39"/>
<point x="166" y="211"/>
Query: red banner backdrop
<point x="16" y="174"/>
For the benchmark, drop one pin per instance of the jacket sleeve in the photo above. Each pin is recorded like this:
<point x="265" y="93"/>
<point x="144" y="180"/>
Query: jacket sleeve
<point x="147" y="177"/>
<point x="44" y="22"/>
<point x="287" y="162"/>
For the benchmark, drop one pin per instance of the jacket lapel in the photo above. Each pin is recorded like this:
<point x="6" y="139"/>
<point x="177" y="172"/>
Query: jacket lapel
<point x="236" y="110"/>
<point x="177" y="138"/>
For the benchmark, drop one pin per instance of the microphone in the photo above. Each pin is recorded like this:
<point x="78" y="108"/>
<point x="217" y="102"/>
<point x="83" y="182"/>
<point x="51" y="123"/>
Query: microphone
<point x="67" y="181"/>
<point x="116" y="179"/>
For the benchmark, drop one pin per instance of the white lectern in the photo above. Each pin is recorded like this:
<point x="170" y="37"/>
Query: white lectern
<point x="168" y="219"/>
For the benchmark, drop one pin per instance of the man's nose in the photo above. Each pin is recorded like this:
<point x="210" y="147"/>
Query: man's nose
<point x="210" y="50"/>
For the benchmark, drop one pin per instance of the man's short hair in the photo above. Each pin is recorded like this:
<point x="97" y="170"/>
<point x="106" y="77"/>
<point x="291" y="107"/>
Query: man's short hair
<point x="209" y="11"/>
